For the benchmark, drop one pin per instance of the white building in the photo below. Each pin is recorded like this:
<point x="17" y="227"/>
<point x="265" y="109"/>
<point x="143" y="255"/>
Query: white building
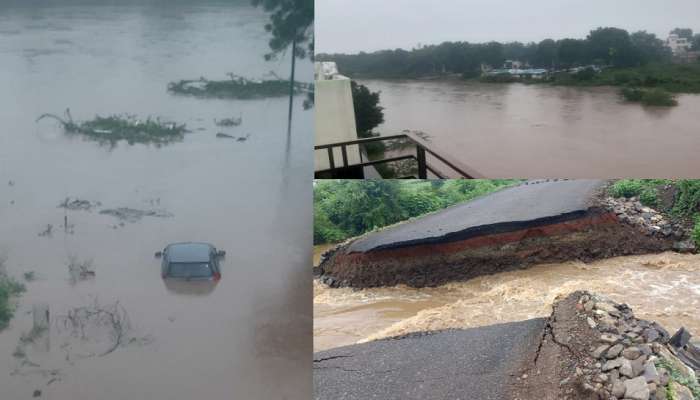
<point x="335" y="115"/>
<point x="678" y="44"/>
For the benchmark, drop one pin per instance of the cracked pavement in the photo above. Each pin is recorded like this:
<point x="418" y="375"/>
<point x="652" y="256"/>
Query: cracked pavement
<point x="455" y="364"/>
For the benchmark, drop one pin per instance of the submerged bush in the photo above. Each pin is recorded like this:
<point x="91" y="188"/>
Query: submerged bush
<point x="649" y="97"/>
<point x="8" y="288"/>
<point x="237" y="88"/>
<point x="695" y="233"/>
<point x="126" y="127"/>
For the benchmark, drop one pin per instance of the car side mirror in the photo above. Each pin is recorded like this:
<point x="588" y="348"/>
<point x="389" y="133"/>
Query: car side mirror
<point x="159" y="254"/>
<point x="221" y="254"/>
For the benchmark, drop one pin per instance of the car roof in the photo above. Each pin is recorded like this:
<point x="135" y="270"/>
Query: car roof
<point x="189" y="252"/>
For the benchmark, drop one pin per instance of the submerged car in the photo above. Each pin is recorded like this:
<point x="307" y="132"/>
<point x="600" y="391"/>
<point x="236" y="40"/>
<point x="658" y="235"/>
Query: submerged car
<point x="191" y="261"/>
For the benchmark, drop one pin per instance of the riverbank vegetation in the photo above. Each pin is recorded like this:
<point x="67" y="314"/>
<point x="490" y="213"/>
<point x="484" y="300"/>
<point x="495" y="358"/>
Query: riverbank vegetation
<point x="236" y="87"/>
<point x="347" y="208"/>
<point x="9" y="288"/>
<point x="649" y="97"/>
<point x="680" y="198"/>
<point x="114" y="128"/>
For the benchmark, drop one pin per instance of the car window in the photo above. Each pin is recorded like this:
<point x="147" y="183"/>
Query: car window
<point x="190" y="270"/>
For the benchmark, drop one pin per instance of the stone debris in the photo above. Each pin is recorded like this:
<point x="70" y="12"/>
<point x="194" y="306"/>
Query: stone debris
<point x="634" y="359"/>
<point x="649" y="221"/>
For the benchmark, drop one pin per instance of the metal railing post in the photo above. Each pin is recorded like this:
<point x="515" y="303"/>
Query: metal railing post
<point x="420" y="155"/>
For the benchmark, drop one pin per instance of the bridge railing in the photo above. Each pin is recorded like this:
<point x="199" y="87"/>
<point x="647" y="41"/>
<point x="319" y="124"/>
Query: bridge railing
<point x="419" y="157"/>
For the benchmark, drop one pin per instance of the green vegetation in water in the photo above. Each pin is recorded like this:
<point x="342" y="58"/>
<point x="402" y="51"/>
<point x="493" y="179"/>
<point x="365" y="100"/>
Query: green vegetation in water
<point x="228" y="122"/>
<point x="649" y="97"/>
<point x="678" y="377"/>
<point x="29" y="276"/>
<point x="9" y="288"/>
<point x="237" y="88"/>
<point x="115" y="128"/>
<point x="347" y="208"/>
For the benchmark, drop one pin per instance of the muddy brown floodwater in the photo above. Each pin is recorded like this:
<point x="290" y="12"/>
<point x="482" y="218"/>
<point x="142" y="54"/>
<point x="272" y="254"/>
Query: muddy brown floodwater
<point x="248" y="337"/>
<point x="662" y="287"/>
<point x="507" y="130"/>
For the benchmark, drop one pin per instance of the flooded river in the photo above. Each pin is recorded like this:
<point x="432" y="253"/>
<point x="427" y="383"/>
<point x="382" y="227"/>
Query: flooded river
<point x="662" y="287"/>
<point x="247" y="337"/>
<point x="506" y="130"/>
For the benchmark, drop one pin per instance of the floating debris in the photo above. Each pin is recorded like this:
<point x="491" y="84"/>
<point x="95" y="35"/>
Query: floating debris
<point x="80" y="270"/>
<point x="78" y="204"/>
<point x="243" y="138"/>
<point x="134" y="215"/>
<point x="237" y="88"/>
<point x="48" y="232"/>
<point x="225" y="135"/>
<point x="229" y="121"/>
<point x="115" y="128"/>
<point x="29" y="276"/>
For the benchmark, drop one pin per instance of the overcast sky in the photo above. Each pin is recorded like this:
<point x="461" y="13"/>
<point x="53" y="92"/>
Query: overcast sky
<point x="350" y="26"/>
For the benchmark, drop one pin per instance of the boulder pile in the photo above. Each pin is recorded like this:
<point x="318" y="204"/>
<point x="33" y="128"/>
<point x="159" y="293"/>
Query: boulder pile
<point x="633" y="359"/>
<point x="649" y="221"/>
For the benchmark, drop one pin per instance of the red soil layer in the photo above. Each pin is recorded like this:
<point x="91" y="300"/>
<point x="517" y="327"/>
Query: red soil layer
<point x="593" y="236"/>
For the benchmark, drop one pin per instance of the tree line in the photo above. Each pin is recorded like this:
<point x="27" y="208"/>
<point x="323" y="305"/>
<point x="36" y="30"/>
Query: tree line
<point x="603" y="46"/>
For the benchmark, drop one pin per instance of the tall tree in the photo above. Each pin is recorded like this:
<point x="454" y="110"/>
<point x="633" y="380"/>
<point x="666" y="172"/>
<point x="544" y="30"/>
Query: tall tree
<point x="546" y="55"/>
<point x="571" y="52"/>
<point x="368" y="113"/>
<point x="649" y="47"/>
<point x="291" y="22"/>
<point x="612" y="46"/>
<point x="684" y="33"/>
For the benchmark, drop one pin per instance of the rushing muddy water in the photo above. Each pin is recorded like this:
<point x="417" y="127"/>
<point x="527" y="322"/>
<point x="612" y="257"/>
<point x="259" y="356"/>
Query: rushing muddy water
<point x="506" y="130"/>
<point x="662" y="287"/>
<point x="247" y="337"/>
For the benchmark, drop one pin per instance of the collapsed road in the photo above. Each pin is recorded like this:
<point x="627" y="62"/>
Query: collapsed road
<point x="535" y="222"/>
<point x="589" y="348"/>
<point x="451" y="364"/>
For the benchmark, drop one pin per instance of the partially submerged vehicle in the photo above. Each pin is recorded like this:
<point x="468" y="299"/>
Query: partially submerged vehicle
<point x="191" y="261"/>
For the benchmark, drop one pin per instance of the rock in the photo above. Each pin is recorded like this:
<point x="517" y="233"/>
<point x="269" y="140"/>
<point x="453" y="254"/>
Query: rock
<point x="601" y="378"/>
<point x="631" y="353"/>
<point x="651" y="374"/>
<point x="598" y="352"/>
<point x="588" y="306"/>
<point x="614" y="351"/>
<point x="651" y="335"/>
<point x="609" y="338"/>
<point x="591" y="323"/>
<point x="684" y="246"/>
<point x="663" y="376"/>
<point x="681" y="392"/>
<point x="638" y="365"/>
<point x="608" y="308"/>
<point x="626" y="368"/>
<point x="660" y="394"/>
<point x="616" y="363"/>
<point x="680" y="338"/>
<point x="636" y="389"/>
<point x="618" y="389"/>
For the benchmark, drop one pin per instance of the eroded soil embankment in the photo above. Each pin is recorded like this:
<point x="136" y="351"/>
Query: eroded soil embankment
<point x="596" y="235"/>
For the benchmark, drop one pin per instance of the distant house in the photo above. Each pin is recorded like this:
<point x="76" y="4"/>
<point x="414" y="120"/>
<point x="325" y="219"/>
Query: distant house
<point x="678" y="45"/>
<point x="513" y="64"/>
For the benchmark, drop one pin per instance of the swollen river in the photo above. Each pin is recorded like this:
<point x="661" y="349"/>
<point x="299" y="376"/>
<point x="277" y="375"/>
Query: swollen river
<point x="662" y="287"/>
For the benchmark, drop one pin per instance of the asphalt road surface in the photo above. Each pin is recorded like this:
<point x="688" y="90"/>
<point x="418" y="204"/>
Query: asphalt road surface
<point x="509" y="209"/>
<point x="471" y="364"/>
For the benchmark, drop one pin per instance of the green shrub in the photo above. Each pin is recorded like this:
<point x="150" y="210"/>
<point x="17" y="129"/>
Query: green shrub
<point x="649" y="197"/>
<point x="649" y="97"/>
<point x="626" y="188"/>
<point x="695" y="233"/>
<point x="8" y="288"/>
<point x="688" y="200"/>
